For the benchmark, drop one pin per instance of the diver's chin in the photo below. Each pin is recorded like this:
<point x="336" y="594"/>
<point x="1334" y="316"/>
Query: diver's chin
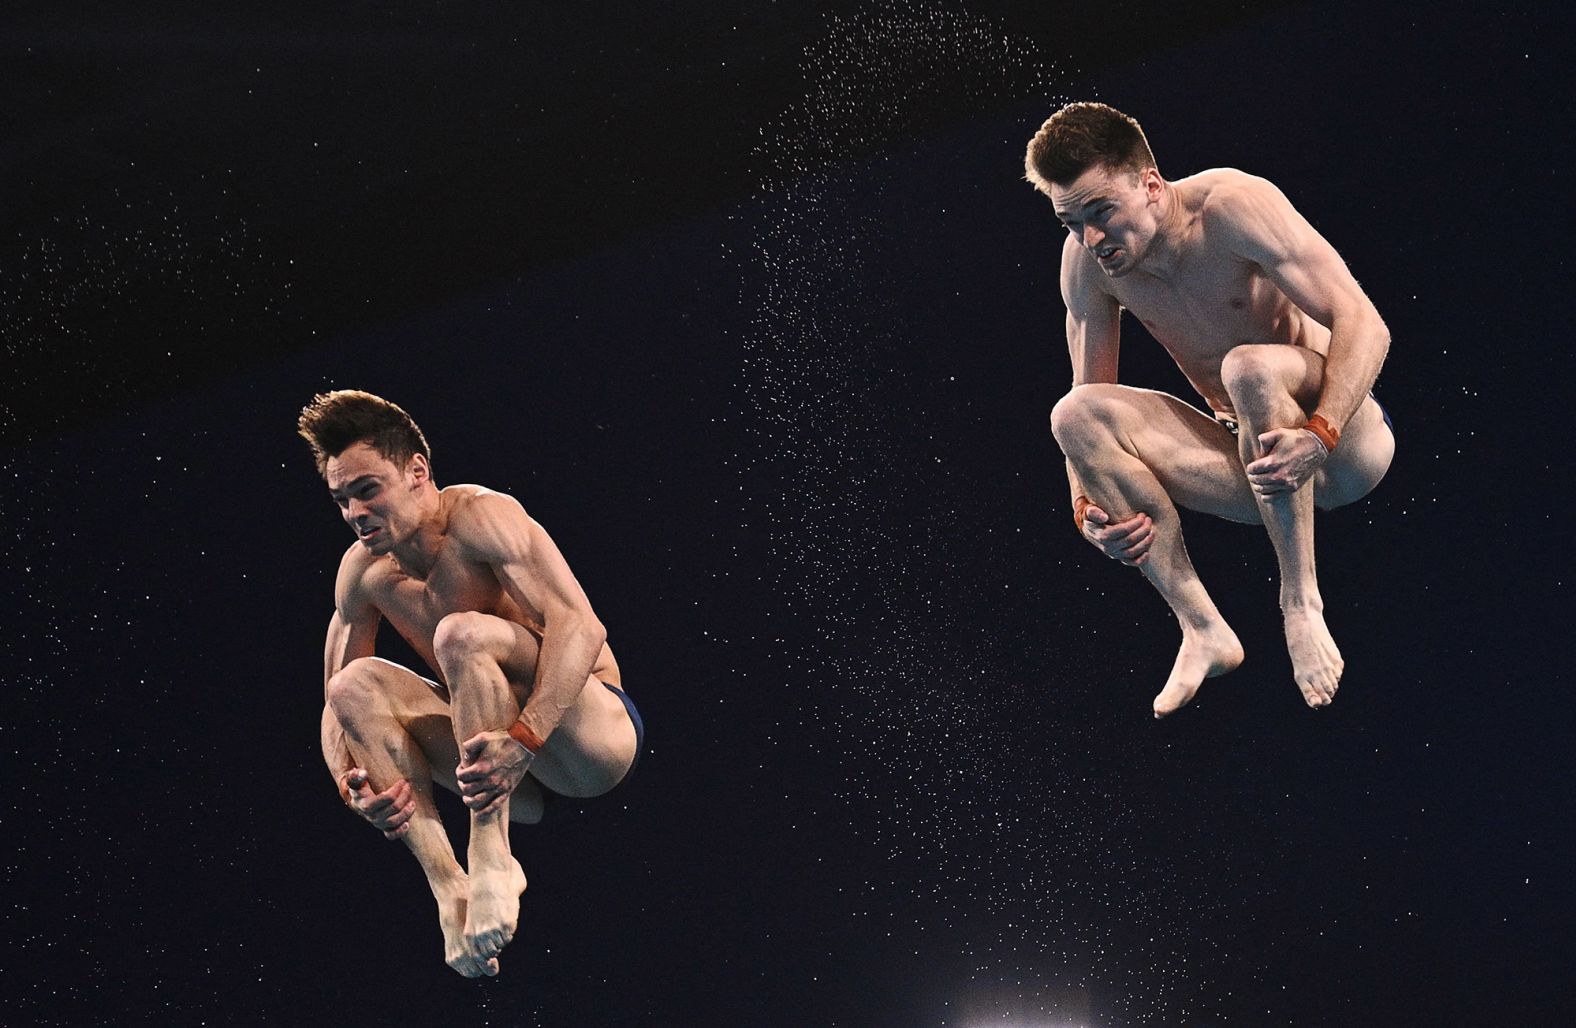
<point x="1123" y="263"/>
<point x="1116" y="264"/>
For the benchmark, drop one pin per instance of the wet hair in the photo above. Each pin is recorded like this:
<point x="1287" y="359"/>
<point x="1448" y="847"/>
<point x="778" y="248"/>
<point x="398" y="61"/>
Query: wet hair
<point x="1080" y="136"/>
<point x="335" y="421"/>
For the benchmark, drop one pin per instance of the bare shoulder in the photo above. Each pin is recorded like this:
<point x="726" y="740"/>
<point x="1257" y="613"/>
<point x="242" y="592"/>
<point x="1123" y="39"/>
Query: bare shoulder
<point x="470" y="504"/>
<point x="486" y="523"/>
<point x="351" y="595"/>
<point x="1246" y="213"/>
<point x="1223" y="188"/>
<point x="1081" y="278"/>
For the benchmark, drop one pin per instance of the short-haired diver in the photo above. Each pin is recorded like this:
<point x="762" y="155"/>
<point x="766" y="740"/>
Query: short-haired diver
<point x="527" y="701"/>
<point x="1267" y="323"/>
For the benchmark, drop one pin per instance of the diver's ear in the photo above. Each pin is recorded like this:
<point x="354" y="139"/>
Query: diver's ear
<point x="418" y="469"/>
<point x="1153" y="184"/>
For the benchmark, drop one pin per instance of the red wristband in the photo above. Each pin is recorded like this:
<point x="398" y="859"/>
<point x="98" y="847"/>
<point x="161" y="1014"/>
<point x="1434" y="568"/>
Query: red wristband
<point x="1324" y="432"/>
<point x="1080" y="504"/>
<point x="523" y="735"/>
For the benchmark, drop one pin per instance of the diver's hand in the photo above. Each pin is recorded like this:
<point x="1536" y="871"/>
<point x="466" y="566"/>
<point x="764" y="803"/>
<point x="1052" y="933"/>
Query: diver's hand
<point x="1128" y="540"/>
<point x="1291" y="458"/>
<point x="389" y="811"/>
<point x="491" y="765"/>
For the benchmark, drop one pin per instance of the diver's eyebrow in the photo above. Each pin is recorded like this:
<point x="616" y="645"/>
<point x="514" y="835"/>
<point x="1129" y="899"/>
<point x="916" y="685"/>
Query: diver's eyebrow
<point x="352" y="485"/>
<point x="1094" y="201"/>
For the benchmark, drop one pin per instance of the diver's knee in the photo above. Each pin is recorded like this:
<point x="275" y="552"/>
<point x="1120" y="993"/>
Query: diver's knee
<point x="1252" y="370"/>
<point x="1084" y="415"/>
<point x="355" y="686"/>
<point x="464" y="634"/>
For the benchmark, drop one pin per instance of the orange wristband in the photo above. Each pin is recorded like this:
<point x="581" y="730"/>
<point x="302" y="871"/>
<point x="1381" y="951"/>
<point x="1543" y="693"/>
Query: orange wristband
<point x="1324" y="432"/>
<point x="523" y="735"/>
<point x="1080" y="504"/>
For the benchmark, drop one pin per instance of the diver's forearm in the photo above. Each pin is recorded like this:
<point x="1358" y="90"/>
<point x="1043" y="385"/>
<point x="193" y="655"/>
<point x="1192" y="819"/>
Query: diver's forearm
<point x="1357" y="352"/>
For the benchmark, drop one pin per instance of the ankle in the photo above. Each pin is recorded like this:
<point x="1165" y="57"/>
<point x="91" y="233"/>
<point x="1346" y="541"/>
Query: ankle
<point x="1201" y="623"/>
<point x="445" y="884"/>
<point x="1302" y="603"/>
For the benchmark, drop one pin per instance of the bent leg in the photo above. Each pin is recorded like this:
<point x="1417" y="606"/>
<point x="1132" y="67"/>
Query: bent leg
<point x="1275" y="387"/>
<point x="470" y="648"/>
<point x="396" y="727"/>
<point x="490" y="667"/>
<point x="1139" y="450"/>
<point x="594" y="744"/>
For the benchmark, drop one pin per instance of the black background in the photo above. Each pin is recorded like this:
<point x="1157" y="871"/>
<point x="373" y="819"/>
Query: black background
<point x="753" y="311"/>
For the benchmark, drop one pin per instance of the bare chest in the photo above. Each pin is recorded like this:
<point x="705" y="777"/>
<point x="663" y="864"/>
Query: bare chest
<point x="414" y="606"/>
<point x="1209" y="306"/>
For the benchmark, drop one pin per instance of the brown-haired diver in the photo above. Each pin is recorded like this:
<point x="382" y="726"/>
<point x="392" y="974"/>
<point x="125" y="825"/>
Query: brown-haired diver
<point x="526" y="702"/>
<point x="1267" y="323"/>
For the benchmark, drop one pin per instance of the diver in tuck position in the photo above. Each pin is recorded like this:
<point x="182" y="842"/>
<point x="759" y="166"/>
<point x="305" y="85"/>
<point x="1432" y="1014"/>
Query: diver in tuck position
<point x="1265" y="320"/>
<point x="528" y="703"/>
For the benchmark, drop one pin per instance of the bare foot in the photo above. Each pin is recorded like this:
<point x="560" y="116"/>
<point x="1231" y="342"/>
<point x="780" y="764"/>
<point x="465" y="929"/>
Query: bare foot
<point x="1315" y="662"/>
<point x="451" y="918"/>
<point x="494" y="909"/>
<point x="1205" y="653"/>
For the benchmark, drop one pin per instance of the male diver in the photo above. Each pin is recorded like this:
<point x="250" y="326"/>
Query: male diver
<point x="527" y="700"/>
<point x="1265" y="320"/>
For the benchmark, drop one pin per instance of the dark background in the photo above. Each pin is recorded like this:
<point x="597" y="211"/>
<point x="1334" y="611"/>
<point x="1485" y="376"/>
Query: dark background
<point x="752" y="310"/>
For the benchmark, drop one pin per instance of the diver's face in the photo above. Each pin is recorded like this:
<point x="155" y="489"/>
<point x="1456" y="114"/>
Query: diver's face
<point x="1113" y="215"/>
<point x="378" y="500"/>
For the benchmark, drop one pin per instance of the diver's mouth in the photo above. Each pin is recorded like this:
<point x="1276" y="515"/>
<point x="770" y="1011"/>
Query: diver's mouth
<point x="1107" y="253"/>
